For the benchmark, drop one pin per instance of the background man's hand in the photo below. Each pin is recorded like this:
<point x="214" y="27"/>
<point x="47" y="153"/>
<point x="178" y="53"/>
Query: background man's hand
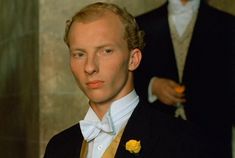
<point x="167" y="91"/>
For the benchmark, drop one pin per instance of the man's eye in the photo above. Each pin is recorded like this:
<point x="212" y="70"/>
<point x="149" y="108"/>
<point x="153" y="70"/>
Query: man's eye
<point x="78" y="55"/>
<point x="108" y="51"/>
<point x="105" y="52"/>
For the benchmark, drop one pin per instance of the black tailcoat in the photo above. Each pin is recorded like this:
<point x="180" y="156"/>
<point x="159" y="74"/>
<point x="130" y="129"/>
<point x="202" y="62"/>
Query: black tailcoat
<point x="161" y="136"/>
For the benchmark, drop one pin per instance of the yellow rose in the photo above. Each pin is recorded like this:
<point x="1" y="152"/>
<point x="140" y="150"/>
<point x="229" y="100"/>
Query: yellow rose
<point x="133" y="146"/>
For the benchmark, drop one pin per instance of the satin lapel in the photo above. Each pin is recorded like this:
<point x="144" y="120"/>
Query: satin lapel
<point x="166" y="29"/>
<point x="166" y="44"/>
<point x="79" y="145"/>
<point x="137" y="128"/>
<point x="201" y="25"/>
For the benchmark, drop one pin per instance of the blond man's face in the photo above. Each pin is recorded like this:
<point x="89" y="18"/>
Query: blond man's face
<point x="100" y="58"/>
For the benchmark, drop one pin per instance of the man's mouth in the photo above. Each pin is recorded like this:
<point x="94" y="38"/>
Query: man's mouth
<point x="94" y="84"/>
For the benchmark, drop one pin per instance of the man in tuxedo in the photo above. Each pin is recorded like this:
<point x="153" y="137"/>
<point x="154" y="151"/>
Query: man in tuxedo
<point x="105" y="48"/>
<point x="189" y="43"/>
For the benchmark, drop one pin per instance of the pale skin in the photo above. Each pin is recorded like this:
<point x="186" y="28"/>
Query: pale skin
<point x="164" y="88"/>
<point x="101" y="61"/>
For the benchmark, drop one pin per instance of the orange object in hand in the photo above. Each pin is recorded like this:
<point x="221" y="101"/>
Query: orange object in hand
<point x="180" y="89"/>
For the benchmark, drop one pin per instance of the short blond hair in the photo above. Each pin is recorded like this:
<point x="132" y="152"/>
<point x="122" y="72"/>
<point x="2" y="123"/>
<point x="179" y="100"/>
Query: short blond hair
<point x="132" y="34"/>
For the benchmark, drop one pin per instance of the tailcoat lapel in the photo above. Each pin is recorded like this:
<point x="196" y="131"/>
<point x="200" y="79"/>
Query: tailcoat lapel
<point x="197" y="43"/>
<point x="137" y="128"/>
<point x="159" y="40"/>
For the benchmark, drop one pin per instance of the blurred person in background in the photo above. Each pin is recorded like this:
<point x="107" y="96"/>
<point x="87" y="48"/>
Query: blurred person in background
<point x="186" y="66"/>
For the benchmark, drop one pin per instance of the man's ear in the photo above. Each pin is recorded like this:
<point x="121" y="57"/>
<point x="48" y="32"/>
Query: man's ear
<point x="135" y="58"/>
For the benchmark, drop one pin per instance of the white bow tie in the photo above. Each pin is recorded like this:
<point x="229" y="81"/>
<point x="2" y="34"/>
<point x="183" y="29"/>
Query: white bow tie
<point x="91" y="129"/>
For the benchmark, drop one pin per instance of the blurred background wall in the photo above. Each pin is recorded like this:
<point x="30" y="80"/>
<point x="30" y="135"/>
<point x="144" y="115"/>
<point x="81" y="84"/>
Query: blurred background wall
<point x="19" y="97"/>
<point x="38" y="94"/>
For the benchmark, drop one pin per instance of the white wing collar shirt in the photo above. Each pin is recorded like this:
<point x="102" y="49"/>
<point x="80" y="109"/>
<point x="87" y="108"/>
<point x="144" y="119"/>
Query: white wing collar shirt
<point x="100" y="133"/>
<point x="182" y="14"/>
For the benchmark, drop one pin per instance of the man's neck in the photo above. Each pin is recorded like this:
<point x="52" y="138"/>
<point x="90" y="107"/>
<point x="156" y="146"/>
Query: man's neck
<point x="184" y="2"/>
<point x="100" y="110"/>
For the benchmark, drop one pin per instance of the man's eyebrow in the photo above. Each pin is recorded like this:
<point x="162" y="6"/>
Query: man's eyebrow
<point x="78" y="49"/>
<point x="96" y="48"/>
<point x="104" y="45"/>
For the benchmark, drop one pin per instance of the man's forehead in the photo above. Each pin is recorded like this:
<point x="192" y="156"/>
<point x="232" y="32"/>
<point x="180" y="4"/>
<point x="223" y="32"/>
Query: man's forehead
<point x="107" y="21"/>
<point x="95" y="14"/>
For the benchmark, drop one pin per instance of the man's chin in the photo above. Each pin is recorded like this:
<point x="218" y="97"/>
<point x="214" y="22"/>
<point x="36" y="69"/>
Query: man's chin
<point x="99" y="101"/>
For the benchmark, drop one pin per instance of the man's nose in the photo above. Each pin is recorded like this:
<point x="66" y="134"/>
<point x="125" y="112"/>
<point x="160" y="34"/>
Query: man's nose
<point x="91" y="65"/>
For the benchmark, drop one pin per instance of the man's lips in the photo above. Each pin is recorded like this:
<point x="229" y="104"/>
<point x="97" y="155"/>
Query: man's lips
<point x="94" y="84"/>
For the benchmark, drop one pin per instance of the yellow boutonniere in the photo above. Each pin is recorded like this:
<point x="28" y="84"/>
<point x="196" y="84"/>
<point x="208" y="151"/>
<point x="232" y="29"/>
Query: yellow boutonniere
<point x="133" y="146"/>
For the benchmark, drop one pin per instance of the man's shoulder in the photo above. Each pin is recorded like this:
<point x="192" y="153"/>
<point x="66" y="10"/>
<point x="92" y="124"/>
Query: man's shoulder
<point x="153" y="14"/>
<point x="161" y="120"/>
<point x="167" y="121"/>
<point x="170" y="134"/>
<point x="65" y="143"/>
<point x="169" y="128"/>
<point x="67" y="134"/>
<point x="217" y="13"/>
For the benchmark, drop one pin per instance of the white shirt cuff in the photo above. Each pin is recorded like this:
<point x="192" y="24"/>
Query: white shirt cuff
<point x="151" y="98"/>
